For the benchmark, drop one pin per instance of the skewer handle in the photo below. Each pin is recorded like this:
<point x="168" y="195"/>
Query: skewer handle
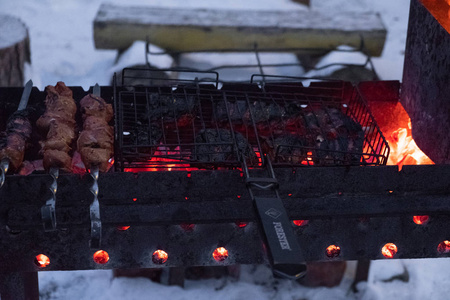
<point x="48" y="211"/>
<point x="4" y="166"/>
<point x="96" y="224"/>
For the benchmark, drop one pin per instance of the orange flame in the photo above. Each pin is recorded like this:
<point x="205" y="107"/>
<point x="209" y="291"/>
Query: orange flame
<point x="389" y="250"/>
<point x="101" y="257"/>
<point x="220" y="254"/>
<point x="160" y="257"/>
<point x="333" y="251"/>
<point x="404" y="150"/>
<point x="42" y="260"/>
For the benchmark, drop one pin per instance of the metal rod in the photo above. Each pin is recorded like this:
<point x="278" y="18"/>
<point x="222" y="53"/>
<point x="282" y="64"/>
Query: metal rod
<point x="96" y="224"/>
<point x="48" y="211"/>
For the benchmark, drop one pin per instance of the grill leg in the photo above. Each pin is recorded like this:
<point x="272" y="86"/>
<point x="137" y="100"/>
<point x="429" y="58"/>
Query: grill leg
<point x="362" y="273"/>
<point x="176" y="276"/>
<point x="19" y="286"/>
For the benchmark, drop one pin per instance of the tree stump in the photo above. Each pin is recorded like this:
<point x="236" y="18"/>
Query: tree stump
<point x="14" y="50"/>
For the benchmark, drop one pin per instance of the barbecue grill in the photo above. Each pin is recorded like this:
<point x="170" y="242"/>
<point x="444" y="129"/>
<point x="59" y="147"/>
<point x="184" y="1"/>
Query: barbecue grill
<point x="168" y="172"/>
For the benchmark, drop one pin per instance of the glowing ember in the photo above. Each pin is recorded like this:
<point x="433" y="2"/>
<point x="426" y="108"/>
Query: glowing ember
<point x="333" y="251"/>
<point x="159" y="257"/>
<point x="444" y="247"/>
<point x="241" y="224"/>
<point x="187" y="227"/>
<point x="421" y="220"/>
<point x="389" y="250"/>
<point x="220" y="254"/>
<point x="101" y="257"/>
<point x="42" y="260"/>
<point x="308" y="161"/>
<point x="134" y="199"/>
<point x="300" y="222"/>
<point x="122" y="228"/>
<point x="160" y="162"/>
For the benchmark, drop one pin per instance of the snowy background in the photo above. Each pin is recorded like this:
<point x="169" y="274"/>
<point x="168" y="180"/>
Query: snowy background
<point x="62" y="49"/>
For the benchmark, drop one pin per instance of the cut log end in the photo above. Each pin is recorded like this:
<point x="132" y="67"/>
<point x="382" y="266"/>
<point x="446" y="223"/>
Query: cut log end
<point x="14" y="50"/>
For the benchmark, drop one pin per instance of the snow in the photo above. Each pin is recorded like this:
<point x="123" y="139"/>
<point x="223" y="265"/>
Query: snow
<point x="62" y="49"/>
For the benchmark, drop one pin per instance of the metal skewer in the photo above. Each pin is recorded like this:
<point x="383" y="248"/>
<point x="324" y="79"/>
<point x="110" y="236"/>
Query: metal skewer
<point x="4" y="164"/>
<point x="96" y="224"/>
<point x="48" y="211"/>
<point x="94" y="208"/>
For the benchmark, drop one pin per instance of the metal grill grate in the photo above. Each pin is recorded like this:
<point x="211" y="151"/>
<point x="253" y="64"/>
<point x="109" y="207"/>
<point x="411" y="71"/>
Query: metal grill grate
<point x="197" y="125"/>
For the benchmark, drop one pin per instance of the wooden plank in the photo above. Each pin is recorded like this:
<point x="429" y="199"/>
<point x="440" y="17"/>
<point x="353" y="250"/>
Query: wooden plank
<point x="117" y="27"/>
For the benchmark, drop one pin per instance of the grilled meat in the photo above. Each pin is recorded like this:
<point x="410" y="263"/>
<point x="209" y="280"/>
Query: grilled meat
<point x="95" y="106"/>
<point x="58" y="126"/>
<point x="96" y="142"/>
<point x="57" y="159"/>
<point x="13" y="140"/>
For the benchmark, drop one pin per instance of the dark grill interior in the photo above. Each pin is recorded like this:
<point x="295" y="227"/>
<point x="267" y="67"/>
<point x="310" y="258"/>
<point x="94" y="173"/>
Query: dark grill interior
<point x="196" y="125"/>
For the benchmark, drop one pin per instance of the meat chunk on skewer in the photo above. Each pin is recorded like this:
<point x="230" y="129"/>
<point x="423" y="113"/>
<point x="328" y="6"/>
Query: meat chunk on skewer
<point x="92" y="105"/>
<point x="96" y="141"/>
<point x="58" y="126"/>
<point x="13" y="140"/>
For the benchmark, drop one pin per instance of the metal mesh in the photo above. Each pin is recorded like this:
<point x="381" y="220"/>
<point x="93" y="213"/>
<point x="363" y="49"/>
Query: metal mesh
<point x="194" y="125"/>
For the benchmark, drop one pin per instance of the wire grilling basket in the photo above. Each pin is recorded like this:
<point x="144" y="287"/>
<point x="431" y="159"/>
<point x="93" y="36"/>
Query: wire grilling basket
<point x="203" y="124"/>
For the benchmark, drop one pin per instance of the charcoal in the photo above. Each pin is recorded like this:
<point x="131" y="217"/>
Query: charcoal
<point x="237" y="111"/>
<point x="216" y="145"/>
<point x="145" y="137"/>
<point x="170" y="107"/>
<point x="263" y="111"/>
<point x="288" y="148"/>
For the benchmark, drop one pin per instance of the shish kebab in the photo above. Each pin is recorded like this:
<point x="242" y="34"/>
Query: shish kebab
<point x="96" y="146"/>
<point x="57" y="124"/>
<point x="13" y="140"/>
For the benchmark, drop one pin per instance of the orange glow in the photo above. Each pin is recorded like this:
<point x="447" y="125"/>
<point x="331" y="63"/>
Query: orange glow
<point x="241" y="224"/>
<point x="421" y="220"/>
<point x="395" y="124"/>
<point x="220" y="254"/>
<point x="308" y="161"/>
<point x="300" y="222"/>
<point x="42" y="260"/>
<point x="333" y="251"/>
<point x="289" y="195"/>
<point x="444" y="247"/>
<point x="134" y="199"/>
<point x="389" y="250"/>
<point x="160" y="162"/>
<point x="159" y="257"/>
<point x="122" y="228"/>
<point x="440" y="9"/>
<point x="404" y="150"/>
<point x="101" y="257"/>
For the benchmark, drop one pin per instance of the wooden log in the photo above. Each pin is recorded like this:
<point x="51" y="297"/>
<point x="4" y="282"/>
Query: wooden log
<point x="117" y="27"/>
<point x="14" y="50"/>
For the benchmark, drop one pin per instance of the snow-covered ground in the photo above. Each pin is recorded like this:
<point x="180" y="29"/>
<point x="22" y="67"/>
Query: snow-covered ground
<point x="62" y="49"/>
